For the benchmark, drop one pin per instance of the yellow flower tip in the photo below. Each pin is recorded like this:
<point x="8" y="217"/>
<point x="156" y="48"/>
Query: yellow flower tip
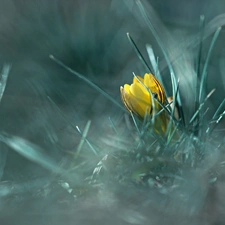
<point x="140" y="79"/>
<point x="131" y="97"/>
<point x="154" y="86"/>
<point x="137" y="98"/>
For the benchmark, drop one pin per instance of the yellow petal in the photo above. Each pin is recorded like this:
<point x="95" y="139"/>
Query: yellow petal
<point x="131" y="103"/>
<point x="148" y="81"/>
<point x="140" y="92"/>
<point x="135" y="80"/>
<point x="139" y="108"/>
<point x="137" y="98"/>
<point x="155" y="87"/>
<point x="127" y="88"/>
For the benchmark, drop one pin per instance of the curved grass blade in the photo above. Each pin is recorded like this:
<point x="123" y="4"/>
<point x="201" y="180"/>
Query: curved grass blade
<point x="4" y="77"/>
<point x="76" y="128"/>
<point x="84" y="135"/>
<point x="154" y="63"/>
<point x="30" y="151"/>
<point x="218" y="109"/>
<point x="92" y="84"/>
<point x="204" y="72"/>
<point x="198" y="72"/>
<point x="114" y="127"/>
<point x="199" y="57"/>
<point x="170" y="125"/>
<point x="173" y="78"/>
<point x="135" y="123"/>
<point x="172" y="135"/>
<point x="86" y="140"/>
<point x="200" y="106"/>
<point x="140" y="56"/>
<point x="151" y="27"/>
<point x="214" y="121"/>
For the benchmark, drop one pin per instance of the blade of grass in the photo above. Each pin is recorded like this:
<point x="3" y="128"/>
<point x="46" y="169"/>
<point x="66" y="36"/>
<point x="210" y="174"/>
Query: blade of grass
<point x="204" y="72"/>
<point x="4" y="77"/>
<point x="152" y="60"/>
<point x="92" y="84"/>
<point x="173" y="78"/>
<point x="135" y="123"/>
<point x="210" y="128"/>
<point x="172" y="135"/>
<point x="76" y="128"/>
<point x="198" y="71"/>
<point x="221" y="117"/>
<point x="154" y="63"/>
<point x="170" y="125"/>
<point x="218" y="109"/>
<point x="30" y="151"/>
<point x="200" y="106"/>
<point x="84" y="135"/>
<point x="214" y="121"/>
<point x="113" y="125"/>
<point x="86" y="140"/>
<point x="146" y="122"/>
<point x="199" y="57"/>
<point x="140" y="56"/>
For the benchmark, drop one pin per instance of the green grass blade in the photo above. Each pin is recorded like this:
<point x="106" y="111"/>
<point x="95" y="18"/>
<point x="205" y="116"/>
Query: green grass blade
<point x="92" y="84"/>
<point x="4" y="77"/>
<point x="114" y="127"/>
<point x="140" y="56"/>
<point x="200" y="106"/>
<point x="216" y="114"/>
<point x="154" y="63"/>
<point x="170" y="125"/>
<point x="84" y="135"/>
<point x="173" y="78"/>
<point x="198" y="72"/>
<point x="76" y="128"/>
<point x="86" y="140"/>
<point x="204" y="72"/>
<point x="135" y="123"/>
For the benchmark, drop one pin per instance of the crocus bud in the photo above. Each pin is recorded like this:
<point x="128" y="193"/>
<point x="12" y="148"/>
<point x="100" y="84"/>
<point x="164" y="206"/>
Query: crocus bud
<point x="138" y="96"/>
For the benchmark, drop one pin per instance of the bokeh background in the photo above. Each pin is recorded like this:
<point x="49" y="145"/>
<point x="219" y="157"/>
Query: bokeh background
<point x="90" y="38"/>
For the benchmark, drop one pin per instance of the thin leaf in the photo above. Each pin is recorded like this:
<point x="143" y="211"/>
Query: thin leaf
<point x="204" y="72"/>
<point x="92" y="84"/>
<point x="198" y="71"/>
<point x="169" y="128"/>
<point x="113" y="125"/>
<point x="200" y="107"/>
<point x="154" y="63"/>
<point x="173" y="78"/>
<point x="4" y="77"/>
<point x="84" y="135"/>
<point x="76" y="128"/>
<point x="30" y="151"/>
<point x="140" y="56"/>
<point x="135" y="123"/>
<point x="86" y="140"/>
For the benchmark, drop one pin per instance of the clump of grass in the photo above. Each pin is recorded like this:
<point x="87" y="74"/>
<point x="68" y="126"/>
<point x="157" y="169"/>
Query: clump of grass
<point x="133" y="154"/>
<point x="139" y="155"/>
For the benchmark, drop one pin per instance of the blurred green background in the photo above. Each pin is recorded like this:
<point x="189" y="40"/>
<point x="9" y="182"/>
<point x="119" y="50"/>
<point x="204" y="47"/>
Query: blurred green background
<point x="90" y="37"/>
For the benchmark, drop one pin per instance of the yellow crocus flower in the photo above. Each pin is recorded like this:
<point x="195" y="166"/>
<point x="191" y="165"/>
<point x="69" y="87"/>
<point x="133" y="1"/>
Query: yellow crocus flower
<point x="137" y="98"/>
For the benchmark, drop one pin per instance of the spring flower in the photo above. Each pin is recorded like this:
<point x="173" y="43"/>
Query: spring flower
<point x="139" y="96"/>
